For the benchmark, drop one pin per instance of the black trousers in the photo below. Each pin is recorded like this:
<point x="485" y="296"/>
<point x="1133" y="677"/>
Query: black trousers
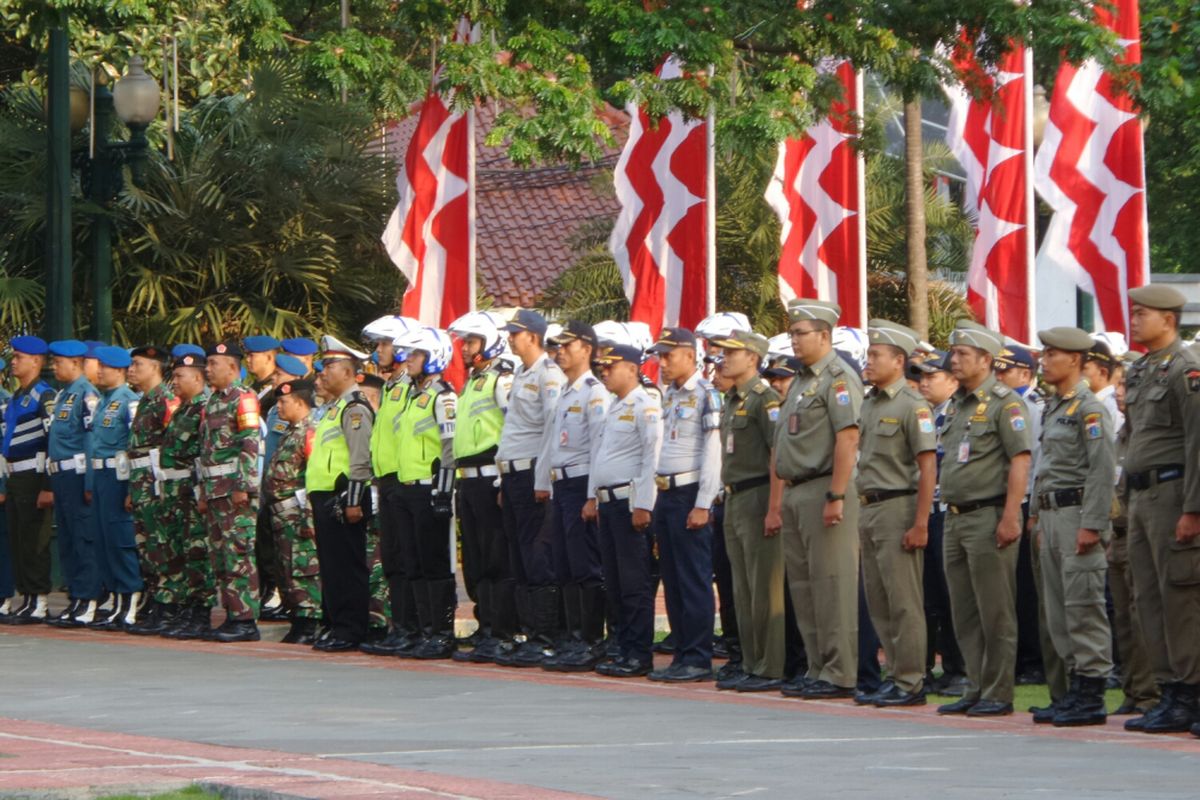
<point x="28" y="533"/>
<point x="342" y="553"/>
<point x="485" y="544"/>
<point x="424" y="539"/>
<point x="531" y="542"/>
<point x="685" y="559"/>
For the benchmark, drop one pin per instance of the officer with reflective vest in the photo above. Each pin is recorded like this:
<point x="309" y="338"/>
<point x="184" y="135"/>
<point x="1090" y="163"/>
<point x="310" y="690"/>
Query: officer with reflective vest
<point x="337" y="479"/>
<point x="74" y="407"/>
<point x="108" y="484"/>
<point x="404" y="635"/>
<point x="485" y="550"/>
<point x="26" y="491"/>
<point x="425" y="450"/>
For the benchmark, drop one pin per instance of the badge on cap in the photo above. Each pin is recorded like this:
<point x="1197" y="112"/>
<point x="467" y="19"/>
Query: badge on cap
<point x="220" y="348"/>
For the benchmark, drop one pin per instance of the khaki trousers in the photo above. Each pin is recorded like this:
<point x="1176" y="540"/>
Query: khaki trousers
<point x="1073" y="586"/>
<point x="982" y="581"/>
<point x="822" y="574"/>
<point x="1166" y="582"/>
<point x="894" y="579"/>
<point x="757" y="565"/>
<point x="1137" y="680"/>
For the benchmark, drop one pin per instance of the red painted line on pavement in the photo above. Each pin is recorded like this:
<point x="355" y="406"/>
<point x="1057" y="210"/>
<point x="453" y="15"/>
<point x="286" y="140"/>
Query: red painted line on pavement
<point x="44" y="757"/>
<point x="1018" y="724"/>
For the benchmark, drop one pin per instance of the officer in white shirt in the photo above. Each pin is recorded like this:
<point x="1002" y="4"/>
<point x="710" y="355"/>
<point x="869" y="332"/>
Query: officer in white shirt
<point x="622" y="494"/>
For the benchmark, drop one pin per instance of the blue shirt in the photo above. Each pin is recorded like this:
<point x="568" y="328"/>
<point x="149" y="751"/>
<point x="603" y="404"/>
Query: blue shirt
<point x="276" y="428"/>
<point x="26" y="418"/>
<point x="71" y="418"/>
<point x="109" y="433"/>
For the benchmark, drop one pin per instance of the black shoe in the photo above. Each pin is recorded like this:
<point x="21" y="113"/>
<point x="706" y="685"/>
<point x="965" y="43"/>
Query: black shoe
<point x="241" y="630"/>
<point x="193" y="624"/>
<point x="681" y="673"/>
<point x="824" y="690"/>
<point x="796" y="686"/>
<point x="958" y="706"/>
<point x="953" y="686"/>
<point x="759" y="683"/>
<point x="1179" y="716"/>
<point x="732" y="679"/>
<point x="625" y="668"/>
<point x="154" y="619"/>
<point x="435" y="648"/>
<point x="582" y="658"/>
<point x="990" y="708"/>
<point x="1031" y="677"/>
<point x="1129" y="707"/>
<point x="895" y="697"/>
<point x="862" y="698"/>
<point x="389" y="645"/>
<point x="274" y="614"/>
<point x="1196" y="730"/>
<point x="303" y="631"/>
<point x="63" y="619"/>
<point x="729" y="670"/>
<point x="667" y="645"/>
<point x="530" y="653"/>
<point x="720" y="647"/>
<point x="335" y="644"/>
<point x="1044" y="715"/>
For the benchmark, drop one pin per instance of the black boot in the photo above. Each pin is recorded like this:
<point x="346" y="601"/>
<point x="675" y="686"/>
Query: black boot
<point x="111" y="619"/>
<point x="1165" y="701"/>
<point x="63" y="619"/>
<point x="239" y="630"/>
<point x="1044" y="715"/>
<point x="303" y="631"/>
<point x="482" y="639"/>
<point x="571" y="643"/>
<point x="194" y="623"/>
<point x="1180" y="716"/>
<point x="443" y="599"/>
<point x="16" y="606"/>
<point x="591" y="649"/>
<point x="502" y="623"/>
<point x="153" y="619"/>
<point x="543" y="608"/>
<point x="1088" y="707"/>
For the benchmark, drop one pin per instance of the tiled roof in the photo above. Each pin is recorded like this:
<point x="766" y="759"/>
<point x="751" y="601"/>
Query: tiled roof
<point x="528" y="218"/>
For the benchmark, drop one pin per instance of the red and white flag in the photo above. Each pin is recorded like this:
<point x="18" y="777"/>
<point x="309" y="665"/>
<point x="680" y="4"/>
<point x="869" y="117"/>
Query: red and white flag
<point x="992" y="136"/>
<point x="1091" y="171"/>
<point x="817" y="191"/>
<point x="431" y="233"/>
<point x="664" y="237"/>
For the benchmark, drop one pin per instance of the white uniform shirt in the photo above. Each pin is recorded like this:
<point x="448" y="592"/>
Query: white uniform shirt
<point x="628" y="448"/>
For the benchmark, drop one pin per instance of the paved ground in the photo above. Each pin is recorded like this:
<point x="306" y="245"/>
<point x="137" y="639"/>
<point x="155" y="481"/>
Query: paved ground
<point x="90" y="709"/>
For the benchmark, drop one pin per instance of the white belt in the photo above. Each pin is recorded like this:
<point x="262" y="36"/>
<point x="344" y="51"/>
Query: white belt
<point x="65" y="465"/>
<point x="286" y="504"/>
<point x="486" y="471"/>
<point x="175" y="474"/>
<point x="104" y="463"/>
<point x="516" y="465"/>
<point x="563" y="473"/>
<point x="611" y="493"/>
<point x="37" y="463"/>
<point x="665" y="482"/>
<point x="141" y="463"/>
<point x="421" y="482"/>
<point x="218" y="470"/>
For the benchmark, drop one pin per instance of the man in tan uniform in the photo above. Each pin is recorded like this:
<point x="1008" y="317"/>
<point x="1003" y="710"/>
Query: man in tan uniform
<point x="897" y="475"/>
<point x="984" y="478"/>
<point x="748" y="420"/>
<point x="1070" y="510"/>
<point x="816" y="447"/>
<point x="1162" y="473"/>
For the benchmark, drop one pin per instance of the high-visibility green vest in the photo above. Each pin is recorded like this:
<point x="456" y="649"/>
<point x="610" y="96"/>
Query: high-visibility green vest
<point x="419" y="440"/>
<point x="385" y="455"/>
<point x="479" y="418"/>
<point x="330" y="457"/>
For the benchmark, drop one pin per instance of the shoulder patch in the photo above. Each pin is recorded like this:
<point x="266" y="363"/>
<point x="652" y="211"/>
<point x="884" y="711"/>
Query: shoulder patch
<point x="1193" y="380"/>
<point x="841" y="393"/>
<point x="924" y="420"/>
<point x="1092" y="427"/>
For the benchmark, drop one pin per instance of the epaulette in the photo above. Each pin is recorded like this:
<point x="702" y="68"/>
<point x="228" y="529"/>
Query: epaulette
<point x="1000" y="390"/>
<point x="760" y="388"/>
<point x="837" y="366"/>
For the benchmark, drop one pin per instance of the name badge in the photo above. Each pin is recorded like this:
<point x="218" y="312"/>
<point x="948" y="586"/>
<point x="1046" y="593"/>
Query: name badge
<point x="964" y="451"/>
<point x="729" y="444"/>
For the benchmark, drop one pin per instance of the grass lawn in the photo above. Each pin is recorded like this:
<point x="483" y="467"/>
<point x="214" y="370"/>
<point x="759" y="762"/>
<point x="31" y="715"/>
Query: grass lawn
<point x="190" y="793"/>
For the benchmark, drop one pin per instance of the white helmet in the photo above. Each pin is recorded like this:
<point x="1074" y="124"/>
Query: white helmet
<point x="1115" y="341"/>
<point x="780" y="345"/>
<point x="722" y="325"/>
<point x="851" y="344"/>
<point x="486" y="326"/>
<point x="435" y="344"/>
<point x="553" y="329"/>
<point x="632" y="334"/>
<point x="390" y="327"/>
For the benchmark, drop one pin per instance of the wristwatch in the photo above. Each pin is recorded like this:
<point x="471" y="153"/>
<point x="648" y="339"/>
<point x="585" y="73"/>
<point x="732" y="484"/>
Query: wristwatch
<point x="830" y="496"/>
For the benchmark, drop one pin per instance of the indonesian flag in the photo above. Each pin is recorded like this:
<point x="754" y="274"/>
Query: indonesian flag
<point x="818" y="193"/>
<point x="431" y="233"/>
<point x="1091" y="171"/>
<point x="992" y="137"/>
<point x="663" y="240"/>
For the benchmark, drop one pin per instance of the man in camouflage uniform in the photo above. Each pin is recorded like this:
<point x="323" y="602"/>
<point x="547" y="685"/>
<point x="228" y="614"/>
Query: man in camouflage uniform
<point x="229" y="439"/>
<point x="186" y="582"/>
<point x="146" y="438"/>
<point x="291" y="518"/>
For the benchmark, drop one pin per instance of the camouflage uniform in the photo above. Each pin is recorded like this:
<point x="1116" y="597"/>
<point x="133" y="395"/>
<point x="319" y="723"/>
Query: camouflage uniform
<point x="291" y="521"/>
<point x="229" y="439"/>
<point x="380" y="608"/>
<point x="185" y="572"/>
<point x="146" y="439"/>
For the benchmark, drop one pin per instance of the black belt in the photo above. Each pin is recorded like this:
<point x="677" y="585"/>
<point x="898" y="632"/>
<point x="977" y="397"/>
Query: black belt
<point x="749" y="483"/>
<point x="809" y="479"/>
<point x="1144" y="480"/>
<point x="1060" y="498"/>
<point x="867" y="498"/>
<point x="967" y="508"/>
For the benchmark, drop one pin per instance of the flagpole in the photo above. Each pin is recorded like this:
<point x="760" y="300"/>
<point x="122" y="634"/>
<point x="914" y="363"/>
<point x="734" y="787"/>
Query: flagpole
<point x="1030" y="201"/>
<point x="861" y="182"/>
<point x="471" y="206"/>
<point x="710" y="213"/>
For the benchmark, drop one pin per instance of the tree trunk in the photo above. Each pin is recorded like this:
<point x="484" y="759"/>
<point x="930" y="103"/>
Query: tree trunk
<point x="914" y="213"/>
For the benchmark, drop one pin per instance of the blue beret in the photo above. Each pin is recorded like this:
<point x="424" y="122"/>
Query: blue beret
<point x="260" y="344"/>
<point x="3" y="364"/>
<point x="92" y="346"/>
<point x="318" y="366"/>
<point x="299" y="347"/>
<point x="115" y="357"/>
<point x="291" y="365"/>
<point x="68" y="348"/>
<point x="29" y="345"/>
<point x="181" y="350"/>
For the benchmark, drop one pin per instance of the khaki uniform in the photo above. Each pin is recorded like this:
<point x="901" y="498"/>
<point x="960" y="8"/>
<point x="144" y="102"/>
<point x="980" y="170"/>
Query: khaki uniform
<point x="1074" y="490"/>
<point x="984" y="430"/>
<point x="822" y="563"/>
<point x="897" y="425"/>
<point x="747" y="432"/>
<point x="1162" y="470"/>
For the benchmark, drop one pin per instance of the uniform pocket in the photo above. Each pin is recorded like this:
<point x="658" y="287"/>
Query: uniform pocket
<point x="1183" y="566"/>
<point x="1083" y="578"/>
<point x="888" y="428"/>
